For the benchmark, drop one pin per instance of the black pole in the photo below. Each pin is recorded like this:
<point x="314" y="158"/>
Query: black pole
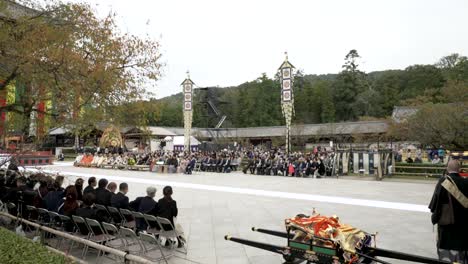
<point x="260" y="245"/>
<point x="273" y="232"/>
<point x="379" y="252"/>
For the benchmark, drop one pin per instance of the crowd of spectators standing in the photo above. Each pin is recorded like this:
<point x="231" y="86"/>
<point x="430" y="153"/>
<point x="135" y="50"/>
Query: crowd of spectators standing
<point x="42" y="191"/>
<point x="260" y="161"/>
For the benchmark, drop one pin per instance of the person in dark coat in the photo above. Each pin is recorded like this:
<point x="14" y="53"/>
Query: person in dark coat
<point x="145" y="205"/>
<point x="112" y="187"/>
<point x="88" y="211"/>
<point x="168" y="209"/>
<point x="120" y="200"/>
<point x="20" y="195"/>
<point x="92" y="182"/>
<point x="103" y="195"/>
<point x="79" y="189"/>
<point x="69" y="206"/>
<point x="59" y="182"/>
<point x="54" y="199"/>
<point x="41" y="193"/>
<point x="452" y="242"/>
<point x="167" y="206"/>
<point x="190" y="165"/>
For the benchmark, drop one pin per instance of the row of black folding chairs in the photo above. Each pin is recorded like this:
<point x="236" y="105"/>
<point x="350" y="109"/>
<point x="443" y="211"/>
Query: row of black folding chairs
<point x="157" y="226"/>
<point x="108" y="234"/>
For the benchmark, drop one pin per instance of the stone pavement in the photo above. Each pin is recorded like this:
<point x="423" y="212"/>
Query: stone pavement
<point x="212" y="205"/>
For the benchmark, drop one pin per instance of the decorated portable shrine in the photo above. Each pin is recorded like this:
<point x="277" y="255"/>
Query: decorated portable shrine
<point x="322" y="239"/>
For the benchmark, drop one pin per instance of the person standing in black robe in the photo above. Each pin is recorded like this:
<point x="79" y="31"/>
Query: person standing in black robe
<point x="452" y="236"/>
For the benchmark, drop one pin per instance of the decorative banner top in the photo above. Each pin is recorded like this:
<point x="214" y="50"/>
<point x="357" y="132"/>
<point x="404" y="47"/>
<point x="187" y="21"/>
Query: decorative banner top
<point x="286" y="64"/>
<point x="188" y="92"/>
<point x="187" y="80"/>
<point x="286" y="74"/>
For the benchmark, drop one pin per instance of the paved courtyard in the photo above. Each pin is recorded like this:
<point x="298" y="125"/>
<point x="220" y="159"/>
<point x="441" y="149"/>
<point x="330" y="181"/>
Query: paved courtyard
<point x="212" y="205"/>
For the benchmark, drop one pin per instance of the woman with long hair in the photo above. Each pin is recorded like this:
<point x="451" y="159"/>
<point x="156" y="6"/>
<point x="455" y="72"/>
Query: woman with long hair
<point x="71" y="203"/>
<point x="79" y="188"/>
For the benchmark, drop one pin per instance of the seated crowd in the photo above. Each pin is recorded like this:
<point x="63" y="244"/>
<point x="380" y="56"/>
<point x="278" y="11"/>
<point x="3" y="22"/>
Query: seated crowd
<point x="176" y="162"/>
<point x="92" y="202"/>
<point x="296" y="164"/>
<point x="256" y="160"/>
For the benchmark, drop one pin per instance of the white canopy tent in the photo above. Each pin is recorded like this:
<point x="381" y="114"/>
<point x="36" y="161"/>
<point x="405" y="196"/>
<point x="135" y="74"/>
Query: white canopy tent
<point x="178" y="143"/>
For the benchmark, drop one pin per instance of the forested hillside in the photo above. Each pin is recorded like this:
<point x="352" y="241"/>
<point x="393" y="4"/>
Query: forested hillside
<point x="348" y="95"/>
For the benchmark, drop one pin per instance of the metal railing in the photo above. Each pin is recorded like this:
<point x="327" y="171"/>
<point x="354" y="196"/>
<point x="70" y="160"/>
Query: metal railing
<point x="124" y="255"/>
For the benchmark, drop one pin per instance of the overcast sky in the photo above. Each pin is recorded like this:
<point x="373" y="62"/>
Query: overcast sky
<point x="227" y="43"/>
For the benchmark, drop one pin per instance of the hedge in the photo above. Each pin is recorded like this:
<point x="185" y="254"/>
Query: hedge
<point x="425" y="165"/>
<point x="421" y="168"/>
<point x="15" y="249"/>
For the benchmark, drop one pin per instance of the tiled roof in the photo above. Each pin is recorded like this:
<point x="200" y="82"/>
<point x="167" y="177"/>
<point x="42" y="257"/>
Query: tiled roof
<point x="345" y="128"/>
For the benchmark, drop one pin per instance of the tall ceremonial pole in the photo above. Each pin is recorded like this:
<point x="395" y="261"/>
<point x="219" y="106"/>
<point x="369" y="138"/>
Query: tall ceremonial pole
<point x="287" y="97"/>
<point x="187" y="85"/>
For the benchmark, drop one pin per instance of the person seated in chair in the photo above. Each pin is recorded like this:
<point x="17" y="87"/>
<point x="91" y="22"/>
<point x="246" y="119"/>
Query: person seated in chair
<point x="274" y="166"/>
<point x="226" y="167"/>
<point x="78" y="159"/>
<point x="235" y="162"/>
<point x="219" y="164"/>
<point x="142" y="160"/>
<point x="92" y="182"/>
<point x="168" y="209"/>
<point x="267" y="166"/>
<point x="102" y="161"/>
<point x="259" y="165"/>
<point x="247" y="167"/>
<point x="145" y="205"/>
<point x="120" y="200"/>
<point x="112" y="187"/>
<point x="88" y="211"/>
<point x="95" y="160"/>
<point x="70" y="205"/>
<point x="54" y="198"/>
<point x="205" y="163"/>
<point x="190" y="165"/>
<point x="213" y="163"/>
<point x="172" y="164"/>
<point x="86" y="160"/>
<point x="253" y="166"/>
<point x="320" y="169"/>
<point x="17" y="194"/>
<point x="103" y="195"/>
<point x="307" y="169"/>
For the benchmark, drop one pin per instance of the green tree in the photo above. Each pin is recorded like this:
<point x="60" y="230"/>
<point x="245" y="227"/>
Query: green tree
<point x="454" y="67"/>
<point x="421" y="78"/>
<point x="65" y="54"/>
<point x="349" y="84"/>
<point x="386" y="86"/>
<point x="435" y="125"/>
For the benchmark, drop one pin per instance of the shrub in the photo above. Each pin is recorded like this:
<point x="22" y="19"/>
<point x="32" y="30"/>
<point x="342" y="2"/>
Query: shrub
<point x="16" y="249"/>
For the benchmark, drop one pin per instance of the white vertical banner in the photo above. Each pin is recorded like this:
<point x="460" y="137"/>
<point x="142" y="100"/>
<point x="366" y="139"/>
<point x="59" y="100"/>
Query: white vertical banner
<point x="187" y="86"/>
<point x="287" y="97"/>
